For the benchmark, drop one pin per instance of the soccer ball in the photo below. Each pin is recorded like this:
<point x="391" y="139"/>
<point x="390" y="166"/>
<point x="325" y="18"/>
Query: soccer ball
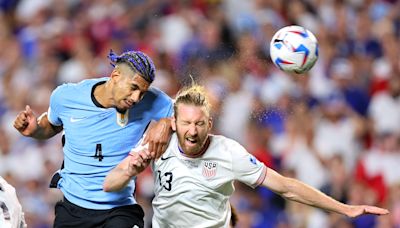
<point x="294" y="49"/>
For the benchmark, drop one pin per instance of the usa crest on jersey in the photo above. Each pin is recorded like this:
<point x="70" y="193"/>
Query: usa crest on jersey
<point x="209" y="169"/>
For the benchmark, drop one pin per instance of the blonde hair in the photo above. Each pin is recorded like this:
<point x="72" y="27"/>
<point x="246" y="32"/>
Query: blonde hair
<point x="192" y="95"/>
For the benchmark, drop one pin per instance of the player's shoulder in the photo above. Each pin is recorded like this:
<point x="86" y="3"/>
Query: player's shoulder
<point x="224" y="142"/>
<point x="2" y="183"/>
<point x="155" y="93"/>
<point x="173" y="143"/>
<point x="6" y="188"/>
<point x="86" y="84"/>
<point x="174" y="139"/>
<point x="222" y="139"/>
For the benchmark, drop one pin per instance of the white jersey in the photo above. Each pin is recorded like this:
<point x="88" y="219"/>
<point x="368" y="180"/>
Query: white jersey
<point x="194" y="192"/>
<point x="11" y="215"/>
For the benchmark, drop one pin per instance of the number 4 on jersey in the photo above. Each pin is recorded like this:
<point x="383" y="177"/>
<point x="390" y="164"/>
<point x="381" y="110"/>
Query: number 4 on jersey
<point x="98" y="154"/>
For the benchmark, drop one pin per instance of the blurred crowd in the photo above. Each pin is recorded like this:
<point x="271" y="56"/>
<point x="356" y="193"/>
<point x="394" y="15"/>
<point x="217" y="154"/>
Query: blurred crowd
<point x="336" y="128"/>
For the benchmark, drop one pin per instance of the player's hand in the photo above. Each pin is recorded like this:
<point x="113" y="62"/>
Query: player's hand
<point x="355" y="211"/>
<point x="138" y="162"/>
<point x="26" y="122"/>
<point x="158" y="137"/>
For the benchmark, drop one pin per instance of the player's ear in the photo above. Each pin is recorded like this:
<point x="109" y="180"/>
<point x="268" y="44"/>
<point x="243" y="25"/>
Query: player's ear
<point x="115" y="74"/>
<point x="173" y="123"/>
<point x="210" y="123"/>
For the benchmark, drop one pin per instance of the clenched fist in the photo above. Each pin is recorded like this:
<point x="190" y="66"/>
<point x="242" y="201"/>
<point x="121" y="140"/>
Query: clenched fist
<point x="138" y="161"/>
<point x="26" y="122"/>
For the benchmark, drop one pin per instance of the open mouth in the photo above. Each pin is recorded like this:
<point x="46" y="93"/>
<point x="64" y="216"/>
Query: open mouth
<point x="191" y="141"/>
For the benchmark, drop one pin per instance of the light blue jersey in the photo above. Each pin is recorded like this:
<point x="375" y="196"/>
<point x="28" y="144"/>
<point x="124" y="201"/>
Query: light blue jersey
<point x="97" y="139"/>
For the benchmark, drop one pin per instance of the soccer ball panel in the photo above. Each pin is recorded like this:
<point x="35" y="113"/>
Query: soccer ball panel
<point x="294" y="49"/>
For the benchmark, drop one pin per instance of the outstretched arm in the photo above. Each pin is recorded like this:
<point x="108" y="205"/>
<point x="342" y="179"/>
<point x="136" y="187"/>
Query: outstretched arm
<point x="298" y="191"/>
<point x="39" y="128"/>
<point x="131" y="166"/>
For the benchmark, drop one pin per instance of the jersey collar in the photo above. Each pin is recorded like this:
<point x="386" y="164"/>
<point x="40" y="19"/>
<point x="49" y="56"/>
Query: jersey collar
<point x="94" y="100"/>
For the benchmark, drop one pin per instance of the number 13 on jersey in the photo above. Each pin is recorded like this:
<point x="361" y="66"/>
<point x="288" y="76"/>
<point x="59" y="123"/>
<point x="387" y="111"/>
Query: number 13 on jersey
<point x="167" y="185"/>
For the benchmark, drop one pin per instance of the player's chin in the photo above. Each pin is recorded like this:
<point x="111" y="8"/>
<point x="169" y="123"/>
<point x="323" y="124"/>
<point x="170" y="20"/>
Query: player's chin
<point x="125" y="105"/>
<point x="192" y="149"/>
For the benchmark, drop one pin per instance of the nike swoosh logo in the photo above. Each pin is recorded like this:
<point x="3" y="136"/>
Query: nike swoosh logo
<point x="73" y="120"/>
<point x="163" y="159"/>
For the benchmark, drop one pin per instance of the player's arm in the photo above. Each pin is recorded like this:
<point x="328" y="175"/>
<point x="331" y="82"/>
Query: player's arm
<point x="158" y="136"/>
<point x="120" y="176"/>
<point x="39" y="128"/>
<point x="298" y="191"/>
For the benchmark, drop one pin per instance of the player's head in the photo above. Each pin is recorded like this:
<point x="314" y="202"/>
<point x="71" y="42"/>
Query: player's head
<point x="132" y="75"/>
<point x="192" y="120"/>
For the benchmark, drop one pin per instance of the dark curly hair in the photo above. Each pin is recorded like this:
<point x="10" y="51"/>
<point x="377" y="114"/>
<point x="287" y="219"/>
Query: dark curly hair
<point x="138" y="61"/>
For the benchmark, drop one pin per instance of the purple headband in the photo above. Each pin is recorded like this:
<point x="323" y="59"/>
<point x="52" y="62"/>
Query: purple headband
<point x="139" y="62"/>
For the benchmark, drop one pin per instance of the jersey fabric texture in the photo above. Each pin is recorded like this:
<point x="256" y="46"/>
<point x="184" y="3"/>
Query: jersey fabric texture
<point x="96" y="141"/>
<point x="194" y="192"/>
<point x="11" y="215"/>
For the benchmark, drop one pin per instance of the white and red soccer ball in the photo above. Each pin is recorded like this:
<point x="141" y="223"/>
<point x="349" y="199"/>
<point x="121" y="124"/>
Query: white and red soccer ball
<point x="294" y="49"/>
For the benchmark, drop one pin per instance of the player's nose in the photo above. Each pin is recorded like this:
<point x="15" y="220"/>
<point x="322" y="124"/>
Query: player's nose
<point x="192" y="130"/>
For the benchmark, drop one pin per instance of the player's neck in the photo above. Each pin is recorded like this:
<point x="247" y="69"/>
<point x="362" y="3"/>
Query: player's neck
<point x="102" y="96"/>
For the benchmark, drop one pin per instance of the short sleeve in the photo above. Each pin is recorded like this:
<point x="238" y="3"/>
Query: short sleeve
<point x="245" y="167"/>
<point x="53" y="113"/>
<point x="168" y="109"/>
<point x="163" y="105"/>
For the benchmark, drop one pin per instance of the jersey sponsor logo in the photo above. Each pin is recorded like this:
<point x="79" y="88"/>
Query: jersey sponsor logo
<point x="74" y="120"/>
<point x="166" y="158"/>
<point x="209" y="169"/>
